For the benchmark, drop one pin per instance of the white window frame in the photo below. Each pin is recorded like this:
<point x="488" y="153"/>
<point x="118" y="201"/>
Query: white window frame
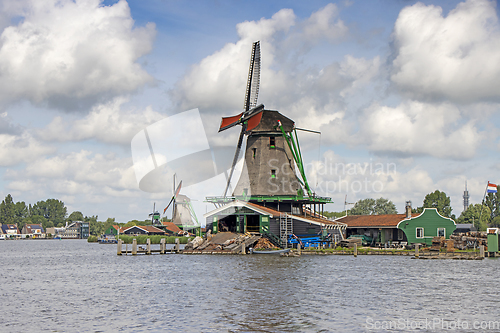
<point x="444" y="232"/>
<point x="416" y="232"/>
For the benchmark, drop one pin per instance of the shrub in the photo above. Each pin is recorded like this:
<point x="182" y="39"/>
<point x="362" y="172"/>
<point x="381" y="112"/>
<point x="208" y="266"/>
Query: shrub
<point x="92" y="239"/>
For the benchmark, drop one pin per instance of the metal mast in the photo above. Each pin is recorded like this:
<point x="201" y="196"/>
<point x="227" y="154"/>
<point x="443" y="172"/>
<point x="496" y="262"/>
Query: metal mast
<point x="466" y="197"/>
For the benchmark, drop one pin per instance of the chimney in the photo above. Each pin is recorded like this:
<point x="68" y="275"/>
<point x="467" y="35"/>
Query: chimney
<point x="408" y="209"/>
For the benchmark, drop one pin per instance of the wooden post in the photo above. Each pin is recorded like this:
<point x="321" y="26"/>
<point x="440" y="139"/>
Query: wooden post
<point x="134" y="247"/>
<point x="243" y="248"/>
<point x="355" y="249"/>
<point x="416" y="250"/>
<point x="162" y="246"/>
<point x="481" y="251"/>
<point x="148" y="246"/>
<point x="298" y="249"/>
<point x="176" y="246"/>
<point x="119" y="252"/>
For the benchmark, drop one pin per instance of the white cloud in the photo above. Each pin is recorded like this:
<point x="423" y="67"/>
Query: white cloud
<point x="218" y="82"/>
<point x="21" y="148"/>
<point x="71" y="54"/>
<point x="415" y="128"/>
<point x="453" y="57"/>
<point x="335" y="176"/>
<point x="314" y="98"/>
<point x="325" y="24"/>
<point x="107" y="123"/>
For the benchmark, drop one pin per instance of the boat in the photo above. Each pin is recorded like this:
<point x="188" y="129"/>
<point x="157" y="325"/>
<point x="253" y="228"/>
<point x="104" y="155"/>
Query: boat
<point x="107" y="239"/>
<point x="282" y="251"/>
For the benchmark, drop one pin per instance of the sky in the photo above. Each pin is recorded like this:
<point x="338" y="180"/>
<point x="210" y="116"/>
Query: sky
<point x="404" y="93"/>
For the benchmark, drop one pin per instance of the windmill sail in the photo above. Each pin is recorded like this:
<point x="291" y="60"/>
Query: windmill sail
<point x="251" y="96"/>
<point x="252" y="92"/>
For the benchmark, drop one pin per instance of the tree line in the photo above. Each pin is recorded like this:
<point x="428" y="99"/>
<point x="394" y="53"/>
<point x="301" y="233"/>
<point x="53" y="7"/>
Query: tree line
<point x="480" y="215"/>
<point x="53" y="213"/>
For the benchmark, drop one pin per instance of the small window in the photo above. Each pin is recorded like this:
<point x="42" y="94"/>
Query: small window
<point x="254" y="152"/>
<point x="420" y="232"/>
<point x="273" y="173"/>
<point x="272" y="142"/>
<point x="441" y="232"/>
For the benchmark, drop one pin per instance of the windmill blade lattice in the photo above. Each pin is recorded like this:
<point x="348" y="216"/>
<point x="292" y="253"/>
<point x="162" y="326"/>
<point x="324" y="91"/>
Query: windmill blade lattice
<point x="249" y="107"/>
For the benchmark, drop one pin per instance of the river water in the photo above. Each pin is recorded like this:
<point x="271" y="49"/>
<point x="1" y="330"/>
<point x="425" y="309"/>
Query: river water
<point x="74" y="286"/>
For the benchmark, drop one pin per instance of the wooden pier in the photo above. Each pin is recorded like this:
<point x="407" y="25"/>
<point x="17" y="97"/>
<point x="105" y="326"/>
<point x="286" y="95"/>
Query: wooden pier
<point x="147" y="250"/>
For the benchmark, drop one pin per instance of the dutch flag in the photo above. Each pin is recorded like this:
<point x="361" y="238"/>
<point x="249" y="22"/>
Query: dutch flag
<point x="492" y="188"/>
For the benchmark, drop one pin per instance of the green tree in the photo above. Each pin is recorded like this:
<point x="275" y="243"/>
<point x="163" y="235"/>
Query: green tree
<point x="373" y="207"/>
<point x="93" y="225"/>
<point x="326" y="214"/>
<point x="52" y="209"/>
<point x="438" y="200"/>
<point x="471" y="215"/>
<point x="492" y="201"/>
<point x="384" y="206"/>
<point x="75" y="216"/>
<point x="20" y="214"/>
<point x="7" y="210"/>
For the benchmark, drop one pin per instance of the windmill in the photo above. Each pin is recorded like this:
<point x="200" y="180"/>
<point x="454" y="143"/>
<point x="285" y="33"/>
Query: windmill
<point x="273" y="175"/>
<point x="347" y="203"/>
<point x="155" y="216"/>
<point x="265" y="142"/>
<point x="183" y="214"/>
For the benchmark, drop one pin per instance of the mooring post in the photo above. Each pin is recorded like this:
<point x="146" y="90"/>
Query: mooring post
<point x="134" y="247"/>
<point x="416" y="250"/>
<point x="355" y="249"/>
<point x="148" y="246"/>
<point x="162" y="246"/>
<point x="119" y="247"/>
<point x="298" y="249"/>
<point x="176" y="246"/>
<point x="481" y="251"/>
<point x="243" y="248"/>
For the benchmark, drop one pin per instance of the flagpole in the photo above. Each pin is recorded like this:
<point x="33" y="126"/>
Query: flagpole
<point x="482" y="203"/>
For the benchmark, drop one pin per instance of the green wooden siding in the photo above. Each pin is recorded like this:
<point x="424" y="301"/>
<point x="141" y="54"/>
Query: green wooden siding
<point x="264" y="224"/>
<point x="430" y="221"/>
<point x="492" y="242"/>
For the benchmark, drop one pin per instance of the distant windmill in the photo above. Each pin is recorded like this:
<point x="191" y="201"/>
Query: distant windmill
<point x="183" y="214"/>
<point x="155" y="216"/>
<point x="347" y="203"/>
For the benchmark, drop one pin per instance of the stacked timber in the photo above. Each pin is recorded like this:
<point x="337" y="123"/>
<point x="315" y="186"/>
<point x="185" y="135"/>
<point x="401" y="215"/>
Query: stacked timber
<point x="437" y="243"/>
<point x="264" y="243"/>
<point x="222" y="242"/>
<point x="450" y="245"/>
<point x="469" y="240"/>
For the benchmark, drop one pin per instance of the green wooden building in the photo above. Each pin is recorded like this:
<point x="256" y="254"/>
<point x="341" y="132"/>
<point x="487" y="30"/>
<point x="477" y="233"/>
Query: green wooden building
<point x="492" y="238"/>
<point x="424" y="227"/>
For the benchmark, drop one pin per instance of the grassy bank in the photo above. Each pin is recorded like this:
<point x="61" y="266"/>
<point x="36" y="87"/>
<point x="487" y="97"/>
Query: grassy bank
<point x="155" y="239"/>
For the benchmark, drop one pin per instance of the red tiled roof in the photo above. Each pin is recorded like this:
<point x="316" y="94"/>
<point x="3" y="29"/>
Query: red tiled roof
<point x="277" y="213"/>
<point x="150" y="228"/>
<point x="360" y="221"/>
<point x="171" y="226"/>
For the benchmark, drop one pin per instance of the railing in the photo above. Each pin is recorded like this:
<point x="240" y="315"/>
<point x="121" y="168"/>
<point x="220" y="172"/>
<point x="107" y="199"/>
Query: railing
<point x="273" y="239"/>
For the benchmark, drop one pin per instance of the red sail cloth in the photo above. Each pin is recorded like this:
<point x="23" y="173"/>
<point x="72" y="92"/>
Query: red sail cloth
<point x="227" y="121"/>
